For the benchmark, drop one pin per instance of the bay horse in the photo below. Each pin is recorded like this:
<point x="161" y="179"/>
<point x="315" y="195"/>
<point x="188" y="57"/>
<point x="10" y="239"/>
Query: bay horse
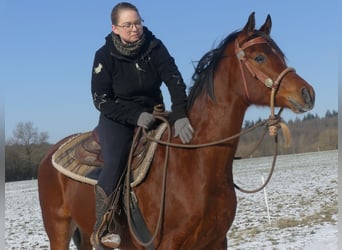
<point x="200" y="200"/>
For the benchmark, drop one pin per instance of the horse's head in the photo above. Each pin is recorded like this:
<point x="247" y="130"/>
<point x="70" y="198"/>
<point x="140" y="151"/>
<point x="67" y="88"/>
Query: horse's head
<point x="246" y="68"/>
<point x="264" y="71"/>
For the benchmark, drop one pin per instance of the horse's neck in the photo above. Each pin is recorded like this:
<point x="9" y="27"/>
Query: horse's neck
<point x="216" y="119"/>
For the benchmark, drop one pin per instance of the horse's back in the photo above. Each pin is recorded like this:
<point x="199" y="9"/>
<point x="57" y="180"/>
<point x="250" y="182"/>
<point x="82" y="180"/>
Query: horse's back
<point x="49" y="179"/>
<point x="64" y="202"/>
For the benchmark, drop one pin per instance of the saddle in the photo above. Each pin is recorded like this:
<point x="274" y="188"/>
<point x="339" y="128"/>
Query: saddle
<point x="89" y="151"/>
<point x="80" y="156"/>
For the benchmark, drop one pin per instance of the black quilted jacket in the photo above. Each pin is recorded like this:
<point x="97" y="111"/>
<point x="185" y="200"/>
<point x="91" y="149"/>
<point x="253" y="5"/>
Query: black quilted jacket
<point x="124" y="87"/>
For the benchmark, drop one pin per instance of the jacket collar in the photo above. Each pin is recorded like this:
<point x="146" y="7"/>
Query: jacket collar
<point x="150" y="43"/>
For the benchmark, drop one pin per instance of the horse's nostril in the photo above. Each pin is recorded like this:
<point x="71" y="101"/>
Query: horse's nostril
<point x="306" y="96"/>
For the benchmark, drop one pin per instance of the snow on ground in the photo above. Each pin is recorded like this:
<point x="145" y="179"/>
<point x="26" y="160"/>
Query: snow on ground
<point x="301" y="214"/>
<point x="301" y="198"/>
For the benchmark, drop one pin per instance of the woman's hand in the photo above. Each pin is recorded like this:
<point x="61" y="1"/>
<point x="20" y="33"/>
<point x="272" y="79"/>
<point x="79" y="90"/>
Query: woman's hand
<point x="146" y="120"/>
<point x="184" y="130"/>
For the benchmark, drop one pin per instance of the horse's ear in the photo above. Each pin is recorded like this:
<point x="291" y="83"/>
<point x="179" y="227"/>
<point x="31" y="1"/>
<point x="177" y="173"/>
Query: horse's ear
<point x="266" y="27"/>
<point x="250" y="25"/>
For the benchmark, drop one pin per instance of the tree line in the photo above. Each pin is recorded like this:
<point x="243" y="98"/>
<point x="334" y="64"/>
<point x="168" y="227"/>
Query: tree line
<point x="26" y="148"/>
<point x="310" y="134"/>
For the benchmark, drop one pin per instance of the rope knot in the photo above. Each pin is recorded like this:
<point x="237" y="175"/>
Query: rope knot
<point x="274" y="123"/>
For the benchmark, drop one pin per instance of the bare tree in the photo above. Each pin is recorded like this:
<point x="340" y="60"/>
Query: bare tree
<point x="26" y="134"/>
<point x="27" y="144"/>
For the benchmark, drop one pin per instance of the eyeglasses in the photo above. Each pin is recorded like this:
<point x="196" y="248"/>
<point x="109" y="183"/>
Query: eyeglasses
<point x="129" y="26"/>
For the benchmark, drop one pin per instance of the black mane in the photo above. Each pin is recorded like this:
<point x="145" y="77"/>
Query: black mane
<point x="203" y="75"/>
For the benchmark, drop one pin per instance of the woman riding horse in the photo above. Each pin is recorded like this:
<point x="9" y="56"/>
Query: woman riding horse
<point x="199" y="200"/>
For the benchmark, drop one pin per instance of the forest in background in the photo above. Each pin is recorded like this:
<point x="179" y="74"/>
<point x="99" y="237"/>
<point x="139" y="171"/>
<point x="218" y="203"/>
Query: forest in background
<point x="310" y="134"/>
<point x="24" y="151"/>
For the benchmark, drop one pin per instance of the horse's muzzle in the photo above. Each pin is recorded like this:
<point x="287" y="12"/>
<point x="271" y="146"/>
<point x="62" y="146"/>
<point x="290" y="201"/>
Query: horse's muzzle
<point x="306" y="103"/>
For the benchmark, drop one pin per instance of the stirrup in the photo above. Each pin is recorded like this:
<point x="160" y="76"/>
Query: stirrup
<point x="111" y="240"/>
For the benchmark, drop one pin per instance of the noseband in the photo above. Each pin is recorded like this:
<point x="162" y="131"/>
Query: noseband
<point x="257" y="73"/>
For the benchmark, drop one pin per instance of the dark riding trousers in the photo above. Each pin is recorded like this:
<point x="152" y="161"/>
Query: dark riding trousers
<point x="115" y="140"/>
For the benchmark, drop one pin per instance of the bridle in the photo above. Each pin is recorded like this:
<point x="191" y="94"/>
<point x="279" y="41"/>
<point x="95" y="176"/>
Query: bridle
<point x="257" y="73"/>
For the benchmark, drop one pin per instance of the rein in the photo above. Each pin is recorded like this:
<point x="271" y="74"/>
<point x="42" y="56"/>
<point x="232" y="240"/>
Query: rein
<point x="273" y="123"/>
<point x="163" y="190"/>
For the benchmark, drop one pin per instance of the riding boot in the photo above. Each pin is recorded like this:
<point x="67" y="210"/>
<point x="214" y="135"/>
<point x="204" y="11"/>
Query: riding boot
<point x="100" y="238"/>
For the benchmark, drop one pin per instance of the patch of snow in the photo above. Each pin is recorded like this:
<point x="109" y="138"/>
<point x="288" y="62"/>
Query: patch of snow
<point x="302" y="203"/>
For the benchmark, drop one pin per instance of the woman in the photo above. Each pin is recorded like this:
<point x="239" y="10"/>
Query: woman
<point x="127" y="74"/>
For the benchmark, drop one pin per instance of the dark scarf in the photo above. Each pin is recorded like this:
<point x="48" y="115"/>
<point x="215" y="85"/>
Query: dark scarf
<point x="129" y="49"/>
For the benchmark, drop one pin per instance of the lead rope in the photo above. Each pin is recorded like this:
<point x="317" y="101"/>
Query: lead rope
<point x="273" y="127"/>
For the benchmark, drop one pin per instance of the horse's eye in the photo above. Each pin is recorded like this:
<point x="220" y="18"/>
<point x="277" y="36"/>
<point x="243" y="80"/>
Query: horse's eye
<point x="260" y="59"/>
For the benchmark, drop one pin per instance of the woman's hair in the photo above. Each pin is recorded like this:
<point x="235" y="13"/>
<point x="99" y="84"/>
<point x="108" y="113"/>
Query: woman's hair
<point x="121" y="6"/>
